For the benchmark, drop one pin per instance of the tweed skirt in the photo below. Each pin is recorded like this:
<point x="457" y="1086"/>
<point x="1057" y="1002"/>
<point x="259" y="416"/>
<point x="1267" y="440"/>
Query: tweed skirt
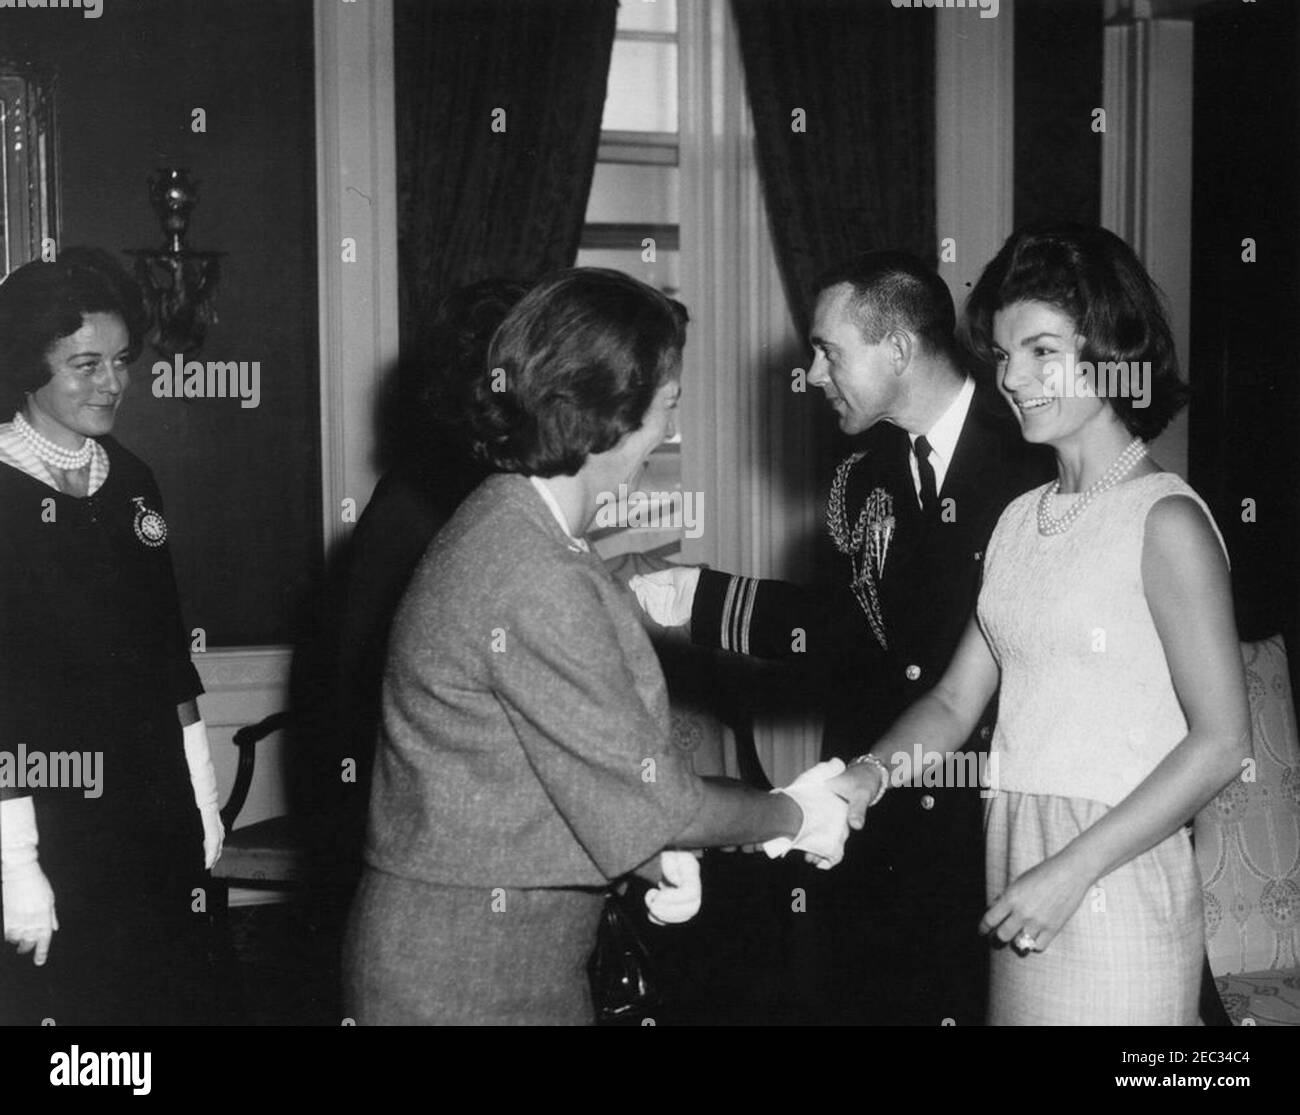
<point x="422" y="954"/>
<point x="1129" y="956"/>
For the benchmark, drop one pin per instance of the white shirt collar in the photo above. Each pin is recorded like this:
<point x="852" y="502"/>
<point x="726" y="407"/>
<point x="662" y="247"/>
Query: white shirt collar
<point x="943" y="435"/>
<point x="15" y="451"/>
<point x="554" y="505"/>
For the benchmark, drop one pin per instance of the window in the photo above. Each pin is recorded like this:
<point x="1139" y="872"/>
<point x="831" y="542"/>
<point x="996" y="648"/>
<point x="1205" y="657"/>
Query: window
<point x="28" y="167"/>
<point x="632" y="226"/>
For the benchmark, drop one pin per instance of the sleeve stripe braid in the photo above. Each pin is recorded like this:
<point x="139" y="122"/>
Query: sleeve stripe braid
<point x="738" y="613"/>
<point x="750" y="589"/>
<point x="728" y="603"/>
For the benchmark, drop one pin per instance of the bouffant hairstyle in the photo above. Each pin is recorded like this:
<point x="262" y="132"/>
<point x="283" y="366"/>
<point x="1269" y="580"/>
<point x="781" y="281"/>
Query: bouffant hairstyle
<point x="573" y="369"/>
<point x="1095" y="278"/>
<point x="438" y="380"/>
<point x="896" y="290"/>
<point x="41" y="303"/>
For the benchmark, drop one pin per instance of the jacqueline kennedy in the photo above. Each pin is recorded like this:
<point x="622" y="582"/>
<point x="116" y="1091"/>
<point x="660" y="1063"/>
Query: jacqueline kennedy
<point x="524" y="761"/>
<point x="1106" y="619"/>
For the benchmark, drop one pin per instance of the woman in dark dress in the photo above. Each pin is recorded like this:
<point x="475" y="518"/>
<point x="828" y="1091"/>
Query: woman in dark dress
<point x="108" y="800"/>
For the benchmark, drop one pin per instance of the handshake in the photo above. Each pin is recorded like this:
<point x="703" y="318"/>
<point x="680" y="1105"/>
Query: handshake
<point x="833" y="799"/>
<point x="822" y="793"/>
<point x="821" y="837"/>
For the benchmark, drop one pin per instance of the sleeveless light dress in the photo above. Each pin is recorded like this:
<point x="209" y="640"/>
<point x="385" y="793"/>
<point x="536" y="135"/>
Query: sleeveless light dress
<point x="1086" y="711"/>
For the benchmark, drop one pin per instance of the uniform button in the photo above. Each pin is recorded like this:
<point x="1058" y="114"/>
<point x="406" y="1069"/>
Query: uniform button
<point x="985" y="732"/>
<point x="912" y="672"/>
<point x="927" y="801"/>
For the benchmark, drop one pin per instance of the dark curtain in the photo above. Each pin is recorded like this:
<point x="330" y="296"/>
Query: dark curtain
<point x="1056" y="92"/>
<point x="1244" y="370"/>
<point x="473" y="202"/>
<point x="476" y="203"/>
<point x="862" y="174"/>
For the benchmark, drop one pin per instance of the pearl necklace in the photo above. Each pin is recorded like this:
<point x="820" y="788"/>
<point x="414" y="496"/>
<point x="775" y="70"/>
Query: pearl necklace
<point x="69" y="460"/>
<point x="1120" y="468"/>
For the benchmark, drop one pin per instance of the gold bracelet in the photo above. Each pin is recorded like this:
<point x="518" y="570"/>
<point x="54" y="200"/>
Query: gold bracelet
<point x="870" y="760"/>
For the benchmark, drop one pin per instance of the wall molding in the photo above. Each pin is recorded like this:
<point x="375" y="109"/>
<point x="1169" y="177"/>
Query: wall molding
<point x="231" y="669"/>
<point x="1146" y="171"/>
<point x="746" y="437"/>
<point x="356" y="197"/>
<point x="974" y="112"/>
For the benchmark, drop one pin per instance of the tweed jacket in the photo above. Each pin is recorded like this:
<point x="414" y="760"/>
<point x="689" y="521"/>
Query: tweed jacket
<point x="525" y="738"/>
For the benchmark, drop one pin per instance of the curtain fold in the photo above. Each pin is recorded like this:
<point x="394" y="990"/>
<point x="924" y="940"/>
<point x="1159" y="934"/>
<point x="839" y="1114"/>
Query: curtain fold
<point x="498" y="110"/>
<point x="747" y="439"/>
<point x="860" y="173"/>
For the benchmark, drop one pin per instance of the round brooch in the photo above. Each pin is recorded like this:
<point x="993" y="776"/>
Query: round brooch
<point x="150" y="526"/>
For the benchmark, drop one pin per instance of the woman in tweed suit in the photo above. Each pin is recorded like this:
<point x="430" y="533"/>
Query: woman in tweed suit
<point x="524" y="761"/>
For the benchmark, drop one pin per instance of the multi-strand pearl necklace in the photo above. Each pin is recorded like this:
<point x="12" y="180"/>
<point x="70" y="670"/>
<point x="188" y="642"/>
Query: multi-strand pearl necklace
<point x="1120" y="468"/>
<point x="69" y="460"/>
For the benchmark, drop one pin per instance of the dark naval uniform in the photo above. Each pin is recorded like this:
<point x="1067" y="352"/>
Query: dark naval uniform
<point x="889" y="936"/>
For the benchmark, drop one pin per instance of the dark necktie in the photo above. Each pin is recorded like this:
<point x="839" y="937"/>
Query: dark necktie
<point x="929" y="494"/>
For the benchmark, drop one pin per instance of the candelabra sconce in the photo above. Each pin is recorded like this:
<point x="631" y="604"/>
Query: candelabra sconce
<point x="179" y="283"/>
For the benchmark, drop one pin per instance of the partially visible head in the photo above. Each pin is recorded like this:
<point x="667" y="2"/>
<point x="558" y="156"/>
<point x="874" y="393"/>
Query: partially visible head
<point x="440" y="379"/>
<point x="68" y="331"/>
<point x="587" y="358"/>
<point x="879" y="317"/>
<point x="1067" y="313"/>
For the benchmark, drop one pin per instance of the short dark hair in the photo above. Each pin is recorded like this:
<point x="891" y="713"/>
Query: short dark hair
<point x="896" y="290"/>
<point x="424" y="409"/>
<point x="41" y="303"/>
<point x="580" y="357"/>
<point x="1095" y="278"/>
<point x="438" y="380"/>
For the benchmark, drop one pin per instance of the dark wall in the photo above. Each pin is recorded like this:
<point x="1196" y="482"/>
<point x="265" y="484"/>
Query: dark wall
<point x="1245" y="368"/>
<point x="1058" y="84"/>
<point x="242" y="485"/>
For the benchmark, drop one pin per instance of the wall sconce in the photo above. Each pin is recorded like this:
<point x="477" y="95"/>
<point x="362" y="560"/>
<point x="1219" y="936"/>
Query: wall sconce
<point x="179" y="283"/>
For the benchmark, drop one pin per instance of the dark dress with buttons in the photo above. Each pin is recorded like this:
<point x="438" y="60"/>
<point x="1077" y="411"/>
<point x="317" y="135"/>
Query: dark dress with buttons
<point x="889" y="936"/>
<point x="94" y="660"/>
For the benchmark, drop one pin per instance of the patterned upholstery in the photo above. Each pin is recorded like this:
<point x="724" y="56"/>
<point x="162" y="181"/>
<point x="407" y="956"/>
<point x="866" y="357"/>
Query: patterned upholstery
<point x="1261" y="998"/>
<point x="1248" y="848"/>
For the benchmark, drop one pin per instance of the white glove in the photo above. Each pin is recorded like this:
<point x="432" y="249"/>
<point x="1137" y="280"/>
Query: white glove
<point x="825" y="825"/>
<point x="678" y="898"/>
<point x="668" y="595"/>
<point x="30" y="920"/>
<point x="198" y="757"/>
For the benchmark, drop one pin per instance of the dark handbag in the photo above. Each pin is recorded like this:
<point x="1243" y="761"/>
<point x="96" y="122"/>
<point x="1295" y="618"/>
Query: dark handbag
<point x="624" y="987"/>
